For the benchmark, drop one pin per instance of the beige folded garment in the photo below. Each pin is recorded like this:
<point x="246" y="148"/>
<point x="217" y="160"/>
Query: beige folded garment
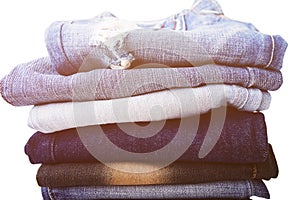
<point x="168" y="104"/>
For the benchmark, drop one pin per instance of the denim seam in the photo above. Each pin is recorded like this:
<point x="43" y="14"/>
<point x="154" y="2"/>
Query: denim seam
<point x="52" y="149"/>
<point x="250" y="187"/>
<point x="236" y="99"/>
<point x="245" y="102"/>
<point x="50" y="193"/>
<point x="251" y="80"/>
<point x="272" y="52"/>
<point x="62" y="45"/>
<point x="261" y="101"/>
<point x="254" y="171"/>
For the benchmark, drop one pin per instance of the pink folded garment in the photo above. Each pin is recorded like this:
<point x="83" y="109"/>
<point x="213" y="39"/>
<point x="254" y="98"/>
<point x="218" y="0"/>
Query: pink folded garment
<point x="37" y="82"/>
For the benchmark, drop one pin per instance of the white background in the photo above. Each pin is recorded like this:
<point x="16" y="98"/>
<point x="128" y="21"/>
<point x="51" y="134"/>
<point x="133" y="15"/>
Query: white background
<point x="23" y="24"/>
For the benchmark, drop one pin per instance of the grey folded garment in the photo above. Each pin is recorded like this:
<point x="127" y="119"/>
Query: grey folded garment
<point x="37" y="82"/>
<point x="156" y="106"/>
<point x="213" y="190"/>
<point x="205" y="36"/>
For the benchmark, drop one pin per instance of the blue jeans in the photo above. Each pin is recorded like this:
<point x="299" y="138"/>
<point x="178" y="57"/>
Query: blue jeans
<point x="214" y="190"/>
<point x="193" y="37"/>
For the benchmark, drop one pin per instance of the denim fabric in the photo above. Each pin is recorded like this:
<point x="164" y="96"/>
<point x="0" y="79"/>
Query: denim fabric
<point x="193" y="37"/>
<point x="156" y="106"/>
<point x="243" y="140"/>
<point x="97" y="174"/>
<point x="214" y="190"/>
<point x="203" y="12"/>
<point x="37" y="82"/>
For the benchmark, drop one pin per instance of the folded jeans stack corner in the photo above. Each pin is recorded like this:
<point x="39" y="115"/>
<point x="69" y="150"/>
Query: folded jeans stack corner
<point x="167" y="109"/>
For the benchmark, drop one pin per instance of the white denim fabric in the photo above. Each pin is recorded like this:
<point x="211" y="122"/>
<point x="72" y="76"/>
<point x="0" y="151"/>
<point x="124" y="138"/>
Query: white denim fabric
<point x="168" y="104"/>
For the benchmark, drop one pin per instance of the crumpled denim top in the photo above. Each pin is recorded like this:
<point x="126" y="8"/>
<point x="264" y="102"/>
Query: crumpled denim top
<point x="200" y="35"/>
<point x="202" y="12"/>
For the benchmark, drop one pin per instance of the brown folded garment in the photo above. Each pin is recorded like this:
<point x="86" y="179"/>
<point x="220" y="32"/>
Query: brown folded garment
<point x="96" y="174"/>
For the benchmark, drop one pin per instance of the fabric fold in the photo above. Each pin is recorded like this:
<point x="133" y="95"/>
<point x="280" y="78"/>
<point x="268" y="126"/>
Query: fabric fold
<point x="243" y="139"/>
<point x="205" y="191"/>
<point x="181" y="95"/>
<point x="96" y="174"/>
<point x="168" y="104"/>
<point x="37" y="82"/>
<point x="193" y="37"/>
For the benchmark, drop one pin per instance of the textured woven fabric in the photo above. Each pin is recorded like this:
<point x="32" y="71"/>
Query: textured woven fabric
<point x="206" y="36"/>
<point x="37" y="82"/>
<point x="168" y="104"/>
<point x="214" y="190"/>
<point x="243" y="139"/>
<point x="92" y="174"/>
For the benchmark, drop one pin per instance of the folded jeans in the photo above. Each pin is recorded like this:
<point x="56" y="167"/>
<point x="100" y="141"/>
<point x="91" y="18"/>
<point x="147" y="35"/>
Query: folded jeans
<point x="140" y="173"/>
<point x="204" y="36"/>
<point x="214" y="190"/>
<point x="77" y="145"/>
<point x="37" y="82"/>
<point x="156" y="106"/>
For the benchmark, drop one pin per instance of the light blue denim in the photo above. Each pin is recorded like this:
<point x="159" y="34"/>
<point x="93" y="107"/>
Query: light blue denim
<point x="213" y="190"/>
<point x="202" y="12"/>
<point x="196" y="36"/>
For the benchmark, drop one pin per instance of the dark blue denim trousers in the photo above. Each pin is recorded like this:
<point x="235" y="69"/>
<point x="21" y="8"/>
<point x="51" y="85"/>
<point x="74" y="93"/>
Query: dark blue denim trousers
<point x="243" y="139"/>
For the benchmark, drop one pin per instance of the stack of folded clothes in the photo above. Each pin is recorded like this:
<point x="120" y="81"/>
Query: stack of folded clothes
<point x="167" y="109"/>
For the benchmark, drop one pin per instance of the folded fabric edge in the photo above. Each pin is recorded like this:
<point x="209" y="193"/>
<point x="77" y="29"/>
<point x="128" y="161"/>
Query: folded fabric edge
<point x="233" y="190"/>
